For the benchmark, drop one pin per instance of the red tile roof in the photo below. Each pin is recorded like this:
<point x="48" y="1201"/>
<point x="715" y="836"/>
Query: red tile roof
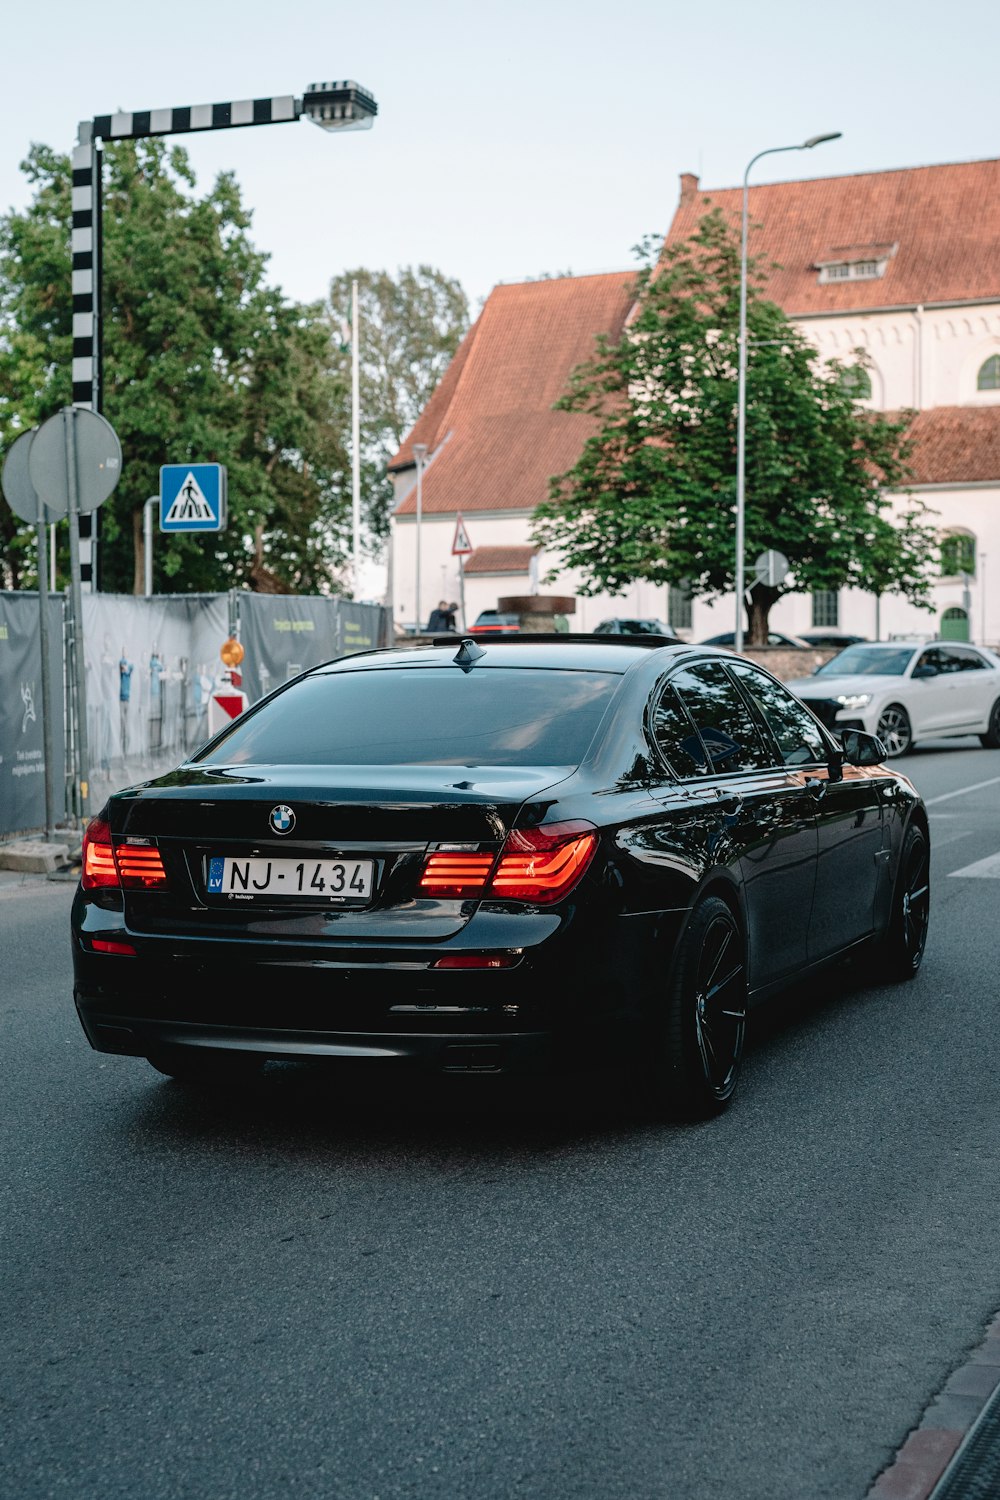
<point x="956" y="445"/>
<point x="500" y="560"/>
<point x="489" y="426"/>
<point x="944" y="222"/>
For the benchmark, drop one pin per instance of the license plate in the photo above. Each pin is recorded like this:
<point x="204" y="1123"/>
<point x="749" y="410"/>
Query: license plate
<point x="305" y="879"/>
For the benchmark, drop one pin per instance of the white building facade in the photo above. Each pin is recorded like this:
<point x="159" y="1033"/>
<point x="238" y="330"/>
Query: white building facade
<point x="884" y="263"/>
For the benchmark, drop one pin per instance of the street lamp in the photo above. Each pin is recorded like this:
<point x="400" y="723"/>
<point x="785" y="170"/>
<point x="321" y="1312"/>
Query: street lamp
<point x="332" y="106"/>
<point x="741" y="399"/>
<point x="420" y="456"/>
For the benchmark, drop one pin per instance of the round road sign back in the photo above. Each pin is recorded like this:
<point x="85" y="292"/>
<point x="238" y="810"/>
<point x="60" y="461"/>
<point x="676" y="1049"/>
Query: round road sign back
<point x="18" y="489"/>
<point x="98" y="460"/>
<point x="771" y="568"/>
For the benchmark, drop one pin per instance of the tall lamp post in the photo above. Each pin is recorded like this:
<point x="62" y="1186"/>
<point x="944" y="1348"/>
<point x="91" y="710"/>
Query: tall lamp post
<point x="741" y="399"/>
<point x="331" y="106"/>
<point x="420" y="457"/>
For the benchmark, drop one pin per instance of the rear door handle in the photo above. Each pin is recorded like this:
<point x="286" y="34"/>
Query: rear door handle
<point x="817" y="787"/>
<point x="731" y="803"/>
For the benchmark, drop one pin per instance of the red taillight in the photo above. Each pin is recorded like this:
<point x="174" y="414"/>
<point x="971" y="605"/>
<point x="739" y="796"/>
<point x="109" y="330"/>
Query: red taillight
<point x="544" y="864"/>
<point x="140" y="866"/>
<point x="125" y="949"/>
<point x="476" y="961"/>
<point x="455" y="873"/>
<point x="536" y="864"/>
<point x="98" y="857"/>
<point x="135" y="866"/>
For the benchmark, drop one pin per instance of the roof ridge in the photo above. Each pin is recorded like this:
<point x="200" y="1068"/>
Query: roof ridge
<point x="931" y="166"/>
<point x="551" y="280"/>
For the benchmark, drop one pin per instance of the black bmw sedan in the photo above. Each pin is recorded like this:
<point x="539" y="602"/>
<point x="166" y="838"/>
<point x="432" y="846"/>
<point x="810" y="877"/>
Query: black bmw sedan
<point x="484" y="858"/>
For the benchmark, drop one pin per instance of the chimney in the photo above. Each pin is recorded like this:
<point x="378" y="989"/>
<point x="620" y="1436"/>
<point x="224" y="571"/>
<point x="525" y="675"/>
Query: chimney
<point x="689" y="186"/>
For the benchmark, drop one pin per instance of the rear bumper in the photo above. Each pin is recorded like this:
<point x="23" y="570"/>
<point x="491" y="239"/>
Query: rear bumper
<point x="578" y="991"/>
<point x="448" y="1051"/>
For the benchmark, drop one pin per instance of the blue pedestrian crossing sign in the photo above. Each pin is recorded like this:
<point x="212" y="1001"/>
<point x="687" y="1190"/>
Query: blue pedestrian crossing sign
<point x="192" y="497"/>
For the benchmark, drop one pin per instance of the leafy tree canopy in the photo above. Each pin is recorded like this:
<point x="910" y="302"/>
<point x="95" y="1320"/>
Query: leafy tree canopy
<point x="410" y="325"/>
<point x="203" y="361"/>
<point x="653" y="494"/>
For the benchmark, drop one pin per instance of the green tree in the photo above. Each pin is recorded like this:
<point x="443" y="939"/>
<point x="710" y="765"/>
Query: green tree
<point x="410" y="326"/>
<point x="653" y="493"/>
<point x="202" y="361"/>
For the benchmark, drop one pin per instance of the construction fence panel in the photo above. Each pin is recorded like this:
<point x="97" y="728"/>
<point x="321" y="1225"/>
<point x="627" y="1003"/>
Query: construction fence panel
<point x="284" y="635"/>
<point x="22" y="754"/>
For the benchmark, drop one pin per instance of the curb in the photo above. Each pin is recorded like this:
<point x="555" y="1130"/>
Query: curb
<point x="947" y="1421"/>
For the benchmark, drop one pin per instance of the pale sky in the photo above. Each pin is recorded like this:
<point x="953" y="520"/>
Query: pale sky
<point x="516" y="138"/>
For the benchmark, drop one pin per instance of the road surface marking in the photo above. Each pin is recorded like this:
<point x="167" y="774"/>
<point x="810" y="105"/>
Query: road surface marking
<point x="983" y="869"/>
<point x="977" y="787"/>
<point x="951" y="838"/>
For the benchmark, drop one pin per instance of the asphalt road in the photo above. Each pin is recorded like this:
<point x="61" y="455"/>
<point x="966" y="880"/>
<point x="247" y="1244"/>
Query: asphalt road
<point x="490" y="1290"/>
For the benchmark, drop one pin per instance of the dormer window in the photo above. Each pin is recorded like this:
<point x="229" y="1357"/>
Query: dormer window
<point x="854" y="263"/>
<point x="852" y="270"/>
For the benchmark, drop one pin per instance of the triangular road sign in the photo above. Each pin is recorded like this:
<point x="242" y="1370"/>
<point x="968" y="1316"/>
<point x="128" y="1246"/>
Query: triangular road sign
<point x="190" y="504"/>
<point x="461" y="546"/>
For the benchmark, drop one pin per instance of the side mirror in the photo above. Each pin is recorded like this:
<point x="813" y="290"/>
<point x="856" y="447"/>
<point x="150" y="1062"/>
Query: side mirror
<point x="862" y="749"/>
<point x="925" y="670"/>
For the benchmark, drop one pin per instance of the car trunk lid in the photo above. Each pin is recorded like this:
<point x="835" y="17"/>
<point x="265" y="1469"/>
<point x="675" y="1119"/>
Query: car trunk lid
<point x="375" y="822"/>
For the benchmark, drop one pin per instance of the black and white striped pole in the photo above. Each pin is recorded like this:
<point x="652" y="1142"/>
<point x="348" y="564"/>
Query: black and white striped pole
<point x="332" y="106"/>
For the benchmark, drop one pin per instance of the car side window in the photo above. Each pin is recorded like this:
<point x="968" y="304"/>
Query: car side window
<point x="676" y="737"/>
<point x="937" y="659"/>
<point x="964" y="661"/>
<point x="730" y="739"/>
<point x="794" y="728"/>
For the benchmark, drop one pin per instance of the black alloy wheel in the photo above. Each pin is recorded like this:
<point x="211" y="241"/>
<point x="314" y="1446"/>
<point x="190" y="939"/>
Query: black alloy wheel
<point x="696" y="1064"/>
<point x="906" y="937"/>
<point x="991" y="739"/>
<point x="205" y="1065"/>
<point x="895" y="730"/>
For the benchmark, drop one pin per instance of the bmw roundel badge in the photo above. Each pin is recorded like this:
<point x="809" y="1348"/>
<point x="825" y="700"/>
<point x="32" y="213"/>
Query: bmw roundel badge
<point x="282" y="819"/>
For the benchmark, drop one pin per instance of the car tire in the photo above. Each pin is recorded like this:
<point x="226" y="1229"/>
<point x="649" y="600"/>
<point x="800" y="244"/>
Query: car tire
<point x="205" y="1065"/>
<point x="895" y="730"/>
<point x="991" y="739"/>
<point x="906" y="936"/>
<point x="698" y="1044"/>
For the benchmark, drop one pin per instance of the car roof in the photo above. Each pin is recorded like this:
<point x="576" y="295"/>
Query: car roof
<point x="567" y="653"/>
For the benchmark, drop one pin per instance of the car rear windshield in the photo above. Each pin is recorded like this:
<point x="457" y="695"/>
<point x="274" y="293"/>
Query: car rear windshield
<point x="424" y="716"/>
<point x="867" y="661"/>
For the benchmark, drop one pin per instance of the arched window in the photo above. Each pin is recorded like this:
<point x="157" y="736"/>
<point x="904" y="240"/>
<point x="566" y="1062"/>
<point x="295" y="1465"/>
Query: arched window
<point x="857" y="382"/>
<point x="988" y="378"/>
<point x="958" y="554"/>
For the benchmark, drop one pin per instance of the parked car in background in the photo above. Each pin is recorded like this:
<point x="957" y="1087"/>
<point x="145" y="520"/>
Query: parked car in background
<point x="836" y="638"/>
<point x="774" y="638"/>
<point x="636" y="627"/>
<point x="491" y="858"/>
<point x="492" y="622"/>
<point x="905" y="691"/>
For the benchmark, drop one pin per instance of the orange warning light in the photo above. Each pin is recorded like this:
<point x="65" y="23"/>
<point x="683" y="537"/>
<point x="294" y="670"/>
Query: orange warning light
<point x="232" y="652"/>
